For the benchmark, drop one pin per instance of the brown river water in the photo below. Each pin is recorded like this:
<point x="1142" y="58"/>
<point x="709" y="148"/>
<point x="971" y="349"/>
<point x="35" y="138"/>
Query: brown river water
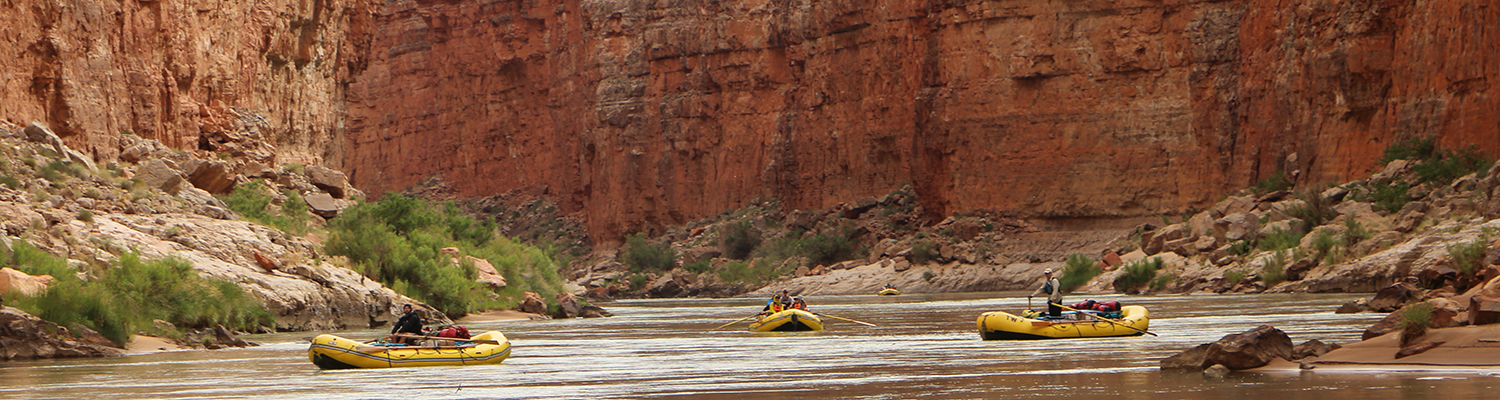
<point x="925" y="346"/>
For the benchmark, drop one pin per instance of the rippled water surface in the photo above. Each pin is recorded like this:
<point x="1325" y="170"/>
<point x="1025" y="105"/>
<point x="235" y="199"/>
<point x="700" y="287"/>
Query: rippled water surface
<point x="925" y="346"/>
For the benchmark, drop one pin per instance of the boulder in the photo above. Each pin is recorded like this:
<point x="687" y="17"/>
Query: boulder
<point x="1286" y="225"/>
<point x="1410" y="216"/>
<point x="1437" y="275"/>
<point x="212" y="176"/>
<point x="1186" y="247"/>
<point x="567" y="306"/>
<point x="22" y="283"/>
<point x="1416" y="349"/>
<point x="1444" y="315"/>
<point x="532" y="303"/>
<point x="323" y="204"/>
<point x="40" y="133"/>
<point x="139" y="151"/>
<point x="227" y="338"/>
<point x="331" y="181"/>
<point x="1190" y="359"/>
<point x="696" y="254"/>
<point x="1158" y="240"/>
<point x="1236" y="227"/>
<point x="160" y="174"/>
<point x="1312" y="348"/>
<point x="1218" y="371"/>
<point x="1354" y="306"/>
<point x="901" y="265"/>
<point x="1334" y="194"/>
<point x="802" y="271"/>
<point x="25" y="337"/>
<point x="255" y="170"/>
<point x="1250" y="349"/>
<point x="1484" y="307"/>
<point x="860" y="206"/>
<point x="486" y="273"/>
<point x="1201" y="224"/>
<point x="599" y="295"/>
<point x="1395" y="296"/>
<point x="1299" y="268"/>
<point x="1233" y="205"/>
<point x="663" y="286"/>
<point x="1111" y="259"/>
<point x="593" y="312"/>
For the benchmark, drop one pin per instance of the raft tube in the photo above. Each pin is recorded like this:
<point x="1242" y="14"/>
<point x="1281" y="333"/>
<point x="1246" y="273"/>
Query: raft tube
<point x="889" y="292"/>
<point x="333" y="352"/>
<point x="999" y="325"/>
<point x="792" y="320"/>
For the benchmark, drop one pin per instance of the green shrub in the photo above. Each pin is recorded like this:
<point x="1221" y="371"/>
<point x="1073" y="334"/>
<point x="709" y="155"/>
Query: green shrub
<point x="928" y="275"/>
<point x="739" y="239"/>
<point x="1241" y="247"/>
<point x="1277" y="181"/>
<point x="638" y="281"/>
<point x="643" y="255"/>
<point x="1391" y="197"/>
<point x="757" y="273"/>
<point x="1415" y="319"/>
<point x="827" y="249"/>
<point x="10" y="182"/>
<point x="1447" y="165"/>
<point x="398" y="240"/>
<point x="1234" y="277"/>
<point x="923" y="251"/>
<point x="1279" y="240"/>
<point x="1354" y="232"/>
<point x="1467" y="257"/>
<point x="1078" y="270"/>
<point x="85" y="215"/>
<point x="1161" y="282"/>
<point x="1323" y="242"/>
<point x="128" y="296"/>
<point x="1314" y="210"/>
<point x="698" y="267"/>
<point x="1274" y="271"/>
<point x="293" y="168"/>
<point x="252" y="201"/>
<point x="1414" y="149"/>
<point x="1137" y="273"/>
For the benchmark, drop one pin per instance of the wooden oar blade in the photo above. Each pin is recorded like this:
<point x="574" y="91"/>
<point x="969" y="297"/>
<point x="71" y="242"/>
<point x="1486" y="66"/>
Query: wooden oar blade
<point x="736" y="321"/>
<point x="846" y="319"/>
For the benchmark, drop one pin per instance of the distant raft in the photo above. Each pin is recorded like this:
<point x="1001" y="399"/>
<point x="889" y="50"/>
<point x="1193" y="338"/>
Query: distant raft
<point x="333" y="352"/>
<point x="792" y="320"/>
<point x="890" y="292"/>
<point x="999" y="325"/>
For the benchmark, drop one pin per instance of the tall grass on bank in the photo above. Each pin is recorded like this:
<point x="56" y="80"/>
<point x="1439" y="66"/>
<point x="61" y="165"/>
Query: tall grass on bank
<point x="397" y="241"/>
<point x="128" y="296"/>
<point x="1080" y="268"/>
<point x="641" y="254"/>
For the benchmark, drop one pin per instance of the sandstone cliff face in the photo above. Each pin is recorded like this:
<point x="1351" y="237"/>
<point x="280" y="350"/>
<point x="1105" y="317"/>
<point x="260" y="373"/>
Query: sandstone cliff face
<point x="645" y="113"/>
<point x="193" y="74"/>
<point x="641" y="114"/>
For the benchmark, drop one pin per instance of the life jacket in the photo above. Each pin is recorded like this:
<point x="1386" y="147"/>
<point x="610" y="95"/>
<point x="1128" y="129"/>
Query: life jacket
<point x="776" y="307"/>
<point x="1108" y="306"/>
<point x="457" y="332"/>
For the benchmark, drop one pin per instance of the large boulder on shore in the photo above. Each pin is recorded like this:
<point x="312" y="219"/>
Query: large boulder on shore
<point x="20" y="282"/>
<point x="532" y="302"/>
<point x="1395" y="296"/>
<point x="25" y="337"/>
<point x="1250" y="349"/>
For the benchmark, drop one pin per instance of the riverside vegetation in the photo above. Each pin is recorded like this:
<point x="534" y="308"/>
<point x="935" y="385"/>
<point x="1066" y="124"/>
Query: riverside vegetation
<point x="109" y="236"/>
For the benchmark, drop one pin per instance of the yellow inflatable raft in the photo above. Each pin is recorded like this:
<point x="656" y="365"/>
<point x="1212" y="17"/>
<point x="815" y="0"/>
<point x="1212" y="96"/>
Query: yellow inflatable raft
<point x="333" y="352"/>
<point x="792" y="320"/>
<point x="890" y="292"/>
<point x="998" y="325"/>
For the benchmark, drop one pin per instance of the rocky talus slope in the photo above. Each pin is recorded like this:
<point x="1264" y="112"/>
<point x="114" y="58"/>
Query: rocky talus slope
<point x="645" y="114"/>
<point x="157" y="202"/>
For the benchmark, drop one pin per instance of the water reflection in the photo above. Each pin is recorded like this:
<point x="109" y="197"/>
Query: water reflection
<point x="925" y="347"/>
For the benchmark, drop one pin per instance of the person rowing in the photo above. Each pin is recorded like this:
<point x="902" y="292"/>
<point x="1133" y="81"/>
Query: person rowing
<point x="410" y="322"/>
<point x="1053" y="288"/>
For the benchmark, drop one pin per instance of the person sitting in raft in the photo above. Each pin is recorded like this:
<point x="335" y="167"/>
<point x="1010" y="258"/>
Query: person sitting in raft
<point x="890" y="286"/>
<point x="776" y="304"/>
<point x="799" y="304"/>
<point x="410" y="322"/>
<point x="1053" y="288"/>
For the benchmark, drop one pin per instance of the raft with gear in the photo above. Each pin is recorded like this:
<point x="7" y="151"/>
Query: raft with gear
<point x="889" y="292"/>
<point x="1000" y="325"/>
<point x="334" y="352"/>
<point x="791" y="320"/>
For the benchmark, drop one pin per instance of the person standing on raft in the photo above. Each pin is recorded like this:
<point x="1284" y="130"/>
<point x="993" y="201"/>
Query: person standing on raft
<point x="1053" y="288"/>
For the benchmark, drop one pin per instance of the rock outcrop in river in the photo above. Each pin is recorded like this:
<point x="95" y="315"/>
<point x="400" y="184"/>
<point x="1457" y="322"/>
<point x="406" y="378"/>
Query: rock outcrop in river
<point x="23" y="337"/>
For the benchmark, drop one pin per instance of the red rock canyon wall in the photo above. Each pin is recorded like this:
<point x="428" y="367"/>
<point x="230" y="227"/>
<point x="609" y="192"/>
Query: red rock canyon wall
<point x="647" y="113"/>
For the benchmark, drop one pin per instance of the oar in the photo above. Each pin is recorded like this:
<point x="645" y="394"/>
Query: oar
<point x="737" y="321"/>
<point x="408" y="335"/>
<point x="844" y="319"/>
<point x="1105" y="319"/>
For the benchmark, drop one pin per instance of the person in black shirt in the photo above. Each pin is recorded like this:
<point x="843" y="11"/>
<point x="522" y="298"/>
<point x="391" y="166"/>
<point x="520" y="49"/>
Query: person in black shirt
<point x="409" y="323"/>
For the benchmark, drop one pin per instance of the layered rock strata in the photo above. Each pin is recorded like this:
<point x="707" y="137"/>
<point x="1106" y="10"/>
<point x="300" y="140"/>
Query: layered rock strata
<point x="643" y="114"/>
